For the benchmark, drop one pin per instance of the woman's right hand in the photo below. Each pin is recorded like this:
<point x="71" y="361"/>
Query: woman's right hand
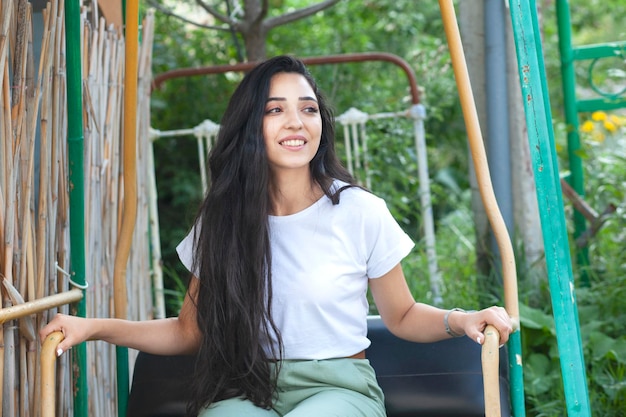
<point x="75" y="330"/>
<point x="170" y="336"/>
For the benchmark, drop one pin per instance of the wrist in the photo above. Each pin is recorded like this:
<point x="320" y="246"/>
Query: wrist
<point x="450" y="330"/>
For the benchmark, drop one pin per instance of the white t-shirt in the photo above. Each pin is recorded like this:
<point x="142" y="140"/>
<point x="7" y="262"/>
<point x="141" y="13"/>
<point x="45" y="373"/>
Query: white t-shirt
<point x="322" y="258"/>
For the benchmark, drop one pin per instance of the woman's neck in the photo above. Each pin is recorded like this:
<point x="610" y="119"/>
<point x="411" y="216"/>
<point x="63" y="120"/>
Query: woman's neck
<point x="291" y="194"/>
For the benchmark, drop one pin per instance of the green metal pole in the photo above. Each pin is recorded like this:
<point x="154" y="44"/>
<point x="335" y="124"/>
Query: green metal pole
<point x="75" y="150"/>
<point x="516" y="374"/>
<point x="123" y="376"/>
<point x="576" y="178"/>
<point x="546" y="100"/>
<point x="545" y="168"/>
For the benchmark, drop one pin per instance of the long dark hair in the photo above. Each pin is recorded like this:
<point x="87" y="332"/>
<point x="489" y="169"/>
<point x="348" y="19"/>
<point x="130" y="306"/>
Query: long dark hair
<point x="233" y="258"/>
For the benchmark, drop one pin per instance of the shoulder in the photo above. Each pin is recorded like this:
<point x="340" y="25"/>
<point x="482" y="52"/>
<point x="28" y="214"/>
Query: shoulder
<point x="356" y="196"/>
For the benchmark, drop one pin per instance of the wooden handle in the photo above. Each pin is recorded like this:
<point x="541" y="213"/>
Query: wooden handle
<point x="48" y="380"/>
<point x="491" y="372"/>
<point x="490" y="355"/>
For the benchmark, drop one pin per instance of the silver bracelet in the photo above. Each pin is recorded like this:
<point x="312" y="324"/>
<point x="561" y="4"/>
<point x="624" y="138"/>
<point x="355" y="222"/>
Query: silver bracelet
<point x="447" y="325"/>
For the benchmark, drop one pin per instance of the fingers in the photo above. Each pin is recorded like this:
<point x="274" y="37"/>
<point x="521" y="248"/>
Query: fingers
<point x="502" y="322"/>
<point x="64" y="346"/>
<point x="59" y="323"/>
<point x="495" y="316"/>
<point x="48" y="328"/>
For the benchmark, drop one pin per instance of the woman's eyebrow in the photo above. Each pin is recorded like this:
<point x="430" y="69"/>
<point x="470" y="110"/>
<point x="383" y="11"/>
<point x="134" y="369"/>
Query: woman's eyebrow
<point x="305" y="98"/>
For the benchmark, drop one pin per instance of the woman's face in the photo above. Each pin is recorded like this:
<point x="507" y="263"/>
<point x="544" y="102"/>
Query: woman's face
<point x="292" y="125"/>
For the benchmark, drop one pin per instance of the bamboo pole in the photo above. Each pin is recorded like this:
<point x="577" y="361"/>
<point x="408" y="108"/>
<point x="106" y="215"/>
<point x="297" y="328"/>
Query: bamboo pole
<point x="19" y="70"/>
<point x="12" y="110"/>
<point x="130" y="192"/>
<point x="36" y="283"/>
<point x="22" y="103"/>
<point x="9" y="231"/>
<point x="130" y="155"/>
<point x="7" y="8"/>
<point x="5" y="144"/>
<point x="150" y="183"/>
<point x="27" y="328"/>
<point x="6" y="173"/>
<point x="95" y="238"/>
<point x="481" y="167"/>
<point x="42" y="304"/>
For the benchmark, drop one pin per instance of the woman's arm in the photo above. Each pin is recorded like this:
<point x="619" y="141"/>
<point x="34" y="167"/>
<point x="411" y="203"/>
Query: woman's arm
<point x="171" y="336"/>
<point x="424" y="323"/>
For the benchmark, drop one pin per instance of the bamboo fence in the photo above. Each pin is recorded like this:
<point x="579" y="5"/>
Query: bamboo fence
<point x="34" y="212"/>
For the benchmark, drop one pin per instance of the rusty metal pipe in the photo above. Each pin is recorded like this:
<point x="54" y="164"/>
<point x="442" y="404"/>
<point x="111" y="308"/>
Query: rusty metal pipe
<point x="160" y="79"/>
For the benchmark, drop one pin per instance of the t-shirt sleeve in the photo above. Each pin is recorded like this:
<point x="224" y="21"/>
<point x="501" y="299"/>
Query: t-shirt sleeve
<point x="185" y="250"/>
<point x="388" y="244"/>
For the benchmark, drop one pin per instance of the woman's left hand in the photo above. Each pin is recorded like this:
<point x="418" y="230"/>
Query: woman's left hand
<point x="474" y="323"/>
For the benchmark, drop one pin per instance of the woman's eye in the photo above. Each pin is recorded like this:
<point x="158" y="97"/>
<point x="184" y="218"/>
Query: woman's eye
<point x="311" y="109"/>
<point x="273" y="110"/>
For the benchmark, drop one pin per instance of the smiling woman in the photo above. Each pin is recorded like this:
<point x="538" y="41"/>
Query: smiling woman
<point x="284" y="249"/>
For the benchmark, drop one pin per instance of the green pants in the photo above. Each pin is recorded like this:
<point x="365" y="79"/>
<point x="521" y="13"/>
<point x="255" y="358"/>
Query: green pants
<point x="315" y="388"/>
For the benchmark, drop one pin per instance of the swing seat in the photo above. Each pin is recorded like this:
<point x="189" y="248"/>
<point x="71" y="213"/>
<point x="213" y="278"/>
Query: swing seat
<point x="441" y="379"/>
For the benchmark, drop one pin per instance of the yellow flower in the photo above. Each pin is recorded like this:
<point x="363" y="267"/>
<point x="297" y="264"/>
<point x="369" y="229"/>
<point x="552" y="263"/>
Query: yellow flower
<point x="587" y="126"/>
<point x="598" y="136"/>
<point x="610" y="126"/>
<point x="617" y="120"/>
<point x="598" y="116"/>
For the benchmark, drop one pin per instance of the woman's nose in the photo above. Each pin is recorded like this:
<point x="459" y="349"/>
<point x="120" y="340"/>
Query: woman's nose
<point x="293" y="120"/>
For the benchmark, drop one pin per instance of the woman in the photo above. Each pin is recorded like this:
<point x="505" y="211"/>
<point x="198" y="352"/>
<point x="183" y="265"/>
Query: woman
<point x="284" y="249"/>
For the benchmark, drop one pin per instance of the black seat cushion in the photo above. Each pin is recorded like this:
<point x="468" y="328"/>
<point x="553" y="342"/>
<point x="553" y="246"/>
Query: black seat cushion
<point x="442" y="379"/>
<point x="431" y="379"/>
<point x="160" y="386"/>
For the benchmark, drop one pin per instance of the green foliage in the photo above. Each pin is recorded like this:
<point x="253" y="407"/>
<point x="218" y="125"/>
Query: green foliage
<point x="174" y="294"/>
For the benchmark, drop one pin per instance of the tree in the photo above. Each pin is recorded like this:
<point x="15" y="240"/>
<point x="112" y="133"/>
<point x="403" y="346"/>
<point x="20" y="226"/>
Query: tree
<point x="252" y="22"/>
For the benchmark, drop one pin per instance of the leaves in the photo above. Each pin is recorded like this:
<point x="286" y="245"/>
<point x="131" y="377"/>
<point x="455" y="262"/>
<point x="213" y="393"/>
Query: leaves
<point x="27" y="326"/>
<point x="533" y="318"/>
